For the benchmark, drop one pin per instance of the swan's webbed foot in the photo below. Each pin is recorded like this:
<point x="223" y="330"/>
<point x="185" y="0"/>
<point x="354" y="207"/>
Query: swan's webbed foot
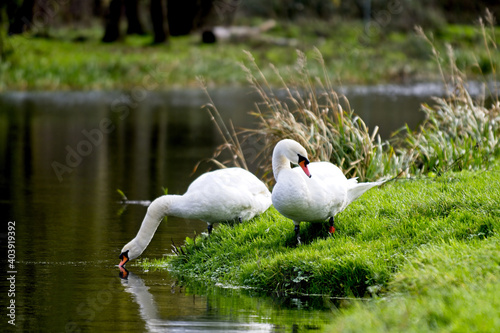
<point x="297" y="233"/>
<point x="331" y="223"/>
<point x="209" y="229"/>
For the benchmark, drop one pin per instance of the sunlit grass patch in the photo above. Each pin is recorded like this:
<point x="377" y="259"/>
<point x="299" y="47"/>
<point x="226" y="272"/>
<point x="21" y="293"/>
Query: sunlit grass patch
<point x="447" y="286"/>
<point x="152" y="263"/>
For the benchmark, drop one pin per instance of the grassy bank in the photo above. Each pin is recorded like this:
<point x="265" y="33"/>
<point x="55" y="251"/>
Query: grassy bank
<point x="427" y="250"/>
<point x="429" y="244"/>
<point x="451" y="287"/>
<point x="78" y="60"/>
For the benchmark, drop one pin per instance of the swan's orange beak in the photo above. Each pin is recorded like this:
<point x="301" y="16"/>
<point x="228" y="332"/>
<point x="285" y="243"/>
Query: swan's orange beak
<point x="124" y="259"/>
<point x="303" y="165"/>
<point x="303" y="162"/>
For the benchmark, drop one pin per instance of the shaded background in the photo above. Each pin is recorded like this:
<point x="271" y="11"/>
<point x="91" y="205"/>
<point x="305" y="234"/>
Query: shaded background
<point x="165" y="18"/>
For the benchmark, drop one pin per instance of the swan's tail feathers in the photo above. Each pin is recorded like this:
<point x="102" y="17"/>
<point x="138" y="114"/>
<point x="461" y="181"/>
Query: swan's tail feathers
<point x="357" y="189"/>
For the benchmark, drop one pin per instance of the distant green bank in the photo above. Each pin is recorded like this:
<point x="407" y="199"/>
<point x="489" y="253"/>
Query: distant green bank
<point x="77" y="60"/>
<point x="426" y="251"/>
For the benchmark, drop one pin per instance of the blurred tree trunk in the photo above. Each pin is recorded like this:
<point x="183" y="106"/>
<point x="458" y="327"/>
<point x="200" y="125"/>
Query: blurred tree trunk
<point x="161" y="29"/>
<point x="168" y="18"/>
<point x="113" y="15"/>
<point x="20" y="17"/>
<point x="112" y="19"/>
<point x="188" y="15"/>
<point x="181" y="15"/>
<point x="97" y="8"/>
<point x="132" y="13"/>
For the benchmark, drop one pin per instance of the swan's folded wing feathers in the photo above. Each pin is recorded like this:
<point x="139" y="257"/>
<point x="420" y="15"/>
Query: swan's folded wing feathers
<point x="239" y="194"/>
<point x="356" y="189"/>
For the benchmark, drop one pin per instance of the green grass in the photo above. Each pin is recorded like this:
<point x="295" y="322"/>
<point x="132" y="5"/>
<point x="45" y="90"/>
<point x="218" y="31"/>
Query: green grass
<point x="55" y="64"/>
<point x="425" y="251"/>
<point x="376" y="236"/>
<point x="447" y="287"/>
<point x="60" y="63"/>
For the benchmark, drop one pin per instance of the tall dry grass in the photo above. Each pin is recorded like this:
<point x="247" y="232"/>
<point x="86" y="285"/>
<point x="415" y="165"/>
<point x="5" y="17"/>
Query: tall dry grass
<point x="459" y="132"/>
<point x="307" y="108"/>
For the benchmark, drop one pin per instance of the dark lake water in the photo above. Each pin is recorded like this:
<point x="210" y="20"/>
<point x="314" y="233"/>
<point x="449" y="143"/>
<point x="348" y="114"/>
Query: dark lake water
<point x="62" y="157"/>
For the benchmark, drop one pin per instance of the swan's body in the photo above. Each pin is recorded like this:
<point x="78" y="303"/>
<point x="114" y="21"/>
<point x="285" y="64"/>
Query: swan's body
<point x="316" y="193"/>
<point x="218" y="196"/>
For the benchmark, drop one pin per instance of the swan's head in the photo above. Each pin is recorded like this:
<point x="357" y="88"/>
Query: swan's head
<point x="129" y="252"/>
<point x="294" y="152"/>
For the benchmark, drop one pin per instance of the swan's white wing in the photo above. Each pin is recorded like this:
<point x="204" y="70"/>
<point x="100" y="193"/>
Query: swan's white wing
<point x="229" y="178"/>
<point x="249" y="195"/>
<point x="338" y="187"/>
<point x="328" y="187"/>
<point x="314" y="199"/>
<point x="357" y="189"/>
<point x="228" y="194"/>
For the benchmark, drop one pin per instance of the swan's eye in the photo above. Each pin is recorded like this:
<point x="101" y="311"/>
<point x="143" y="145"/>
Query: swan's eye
<point x="303" y="159"/>
<point x="124" y="254"/>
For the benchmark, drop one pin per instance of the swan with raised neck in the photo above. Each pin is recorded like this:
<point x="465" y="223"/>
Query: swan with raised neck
<point x="316" y="193"/>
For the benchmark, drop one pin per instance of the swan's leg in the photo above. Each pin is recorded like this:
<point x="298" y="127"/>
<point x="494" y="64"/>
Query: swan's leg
<point x="297" y="231"/>
<point x="209" y="228"/>
<point x="233" y="224"/>
<point x="331" y="222"/>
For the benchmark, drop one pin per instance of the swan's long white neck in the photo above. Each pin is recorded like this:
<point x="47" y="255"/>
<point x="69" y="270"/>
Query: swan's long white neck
<point x="159" y="208"/>
<point x="280" y="161"/>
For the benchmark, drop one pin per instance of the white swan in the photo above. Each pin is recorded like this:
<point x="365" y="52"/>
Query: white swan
<point x="318" y="193"/>
<point x="217" y="196"/>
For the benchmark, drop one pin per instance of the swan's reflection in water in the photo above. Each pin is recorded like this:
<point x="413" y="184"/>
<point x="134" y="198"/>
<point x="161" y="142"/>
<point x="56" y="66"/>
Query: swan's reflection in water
<point x="192" y="320"/>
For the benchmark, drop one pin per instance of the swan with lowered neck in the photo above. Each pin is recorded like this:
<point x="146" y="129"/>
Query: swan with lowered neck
<point x="217" y="196"/>
<point x="316" y="193"/>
